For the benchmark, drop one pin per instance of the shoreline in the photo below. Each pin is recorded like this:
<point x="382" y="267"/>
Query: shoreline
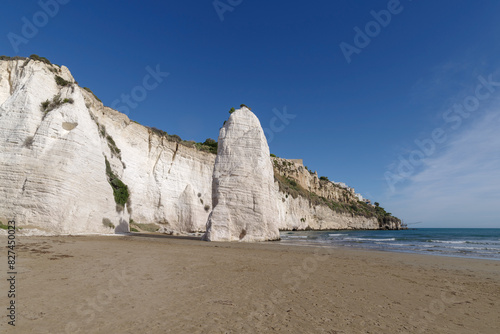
<point x="461" y="243"/>
<point x="381" y="250"/>
<point x="170" y="284"/>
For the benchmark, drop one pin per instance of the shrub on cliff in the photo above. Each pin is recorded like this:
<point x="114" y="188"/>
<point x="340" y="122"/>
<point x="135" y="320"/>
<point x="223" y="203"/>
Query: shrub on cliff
<point x="42" y="59"/>
<point x="289" y="186"/>
<point x="174" y="138"/>
<point x="112" y="145"/>
<point x="209" y="145"/>
<point x="210" y="142"/>
<point x="120" y="189"/>
<point x="232" y="110"/>
<point x="13" y="58"/>
<point x="47" y="105"/>
<point x="91" y="92"/>
<point x="159" y="132"/>
<point x="188" y="143"/>
<point x="61" y="82"/>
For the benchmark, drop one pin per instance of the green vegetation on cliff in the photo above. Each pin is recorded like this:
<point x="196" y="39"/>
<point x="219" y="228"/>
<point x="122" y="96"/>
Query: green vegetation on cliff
<point x="61" y="82"/>
<point x="42" y="59"/>
<point x="91" y="92"/>
<point x="120" y="189"/>
<point x="12" y="58"/>
<point x="47" y="105"/>
<point x="290" y="187"/>
<point x="209" y="145"/>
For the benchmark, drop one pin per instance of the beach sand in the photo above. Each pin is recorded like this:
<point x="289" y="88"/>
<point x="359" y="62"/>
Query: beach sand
<point x="162" y="284"/>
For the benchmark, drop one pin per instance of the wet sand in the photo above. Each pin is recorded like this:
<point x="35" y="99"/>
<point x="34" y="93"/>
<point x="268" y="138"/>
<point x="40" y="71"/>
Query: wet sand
<point x="161" y="284"/>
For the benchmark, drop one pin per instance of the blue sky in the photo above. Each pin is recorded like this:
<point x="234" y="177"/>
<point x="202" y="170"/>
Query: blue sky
<point x="355" y="121"/>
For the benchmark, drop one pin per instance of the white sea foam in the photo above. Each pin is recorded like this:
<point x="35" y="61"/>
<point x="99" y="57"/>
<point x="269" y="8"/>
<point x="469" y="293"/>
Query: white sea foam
<point x="370" y="239"/>
<point x="462" y="247"/>
<point x="449" y="242"/>
<point x="486" y="242"/>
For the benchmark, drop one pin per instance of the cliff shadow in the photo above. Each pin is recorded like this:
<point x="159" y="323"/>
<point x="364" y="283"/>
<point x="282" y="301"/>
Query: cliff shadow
<point x="123" y="227"/>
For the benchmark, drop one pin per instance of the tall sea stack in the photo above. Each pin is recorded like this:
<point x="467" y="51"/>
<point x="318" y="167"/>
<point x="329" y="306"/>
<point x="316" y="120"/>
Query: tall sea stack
<point x="243" y="190"/>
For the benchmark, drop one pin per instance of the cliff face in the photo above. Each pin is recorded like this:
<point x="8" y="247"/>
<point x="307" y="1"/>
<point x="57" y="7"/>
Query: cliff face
<point x="308" y="202"/>
<point x="67" y="164"/>
<point x="170" y="184"/>
<point x="244" y="195"/>
<point x="53" y="169"/>
<point x="51" y="165"/>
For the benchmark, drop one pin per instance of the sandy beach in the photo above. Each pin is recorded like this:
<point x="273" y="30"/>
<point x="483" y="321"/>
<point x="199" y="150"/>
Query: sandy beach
<point x="162" y="284"/>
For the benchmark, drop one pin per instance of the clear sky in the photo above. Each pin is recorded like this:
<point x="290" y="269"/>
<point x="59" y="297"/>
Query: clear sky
<point x="398" y="99"/>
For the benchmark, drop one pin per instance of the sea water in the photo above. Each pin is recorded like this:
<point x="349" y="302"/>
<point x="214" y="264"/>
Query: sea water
<point x="483" y="243"/>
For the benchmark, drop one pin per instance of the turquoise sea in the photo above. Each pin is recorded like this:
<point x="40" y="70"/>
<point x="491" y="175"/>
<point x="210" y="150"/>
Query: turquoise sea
<point x="483" y="243"/>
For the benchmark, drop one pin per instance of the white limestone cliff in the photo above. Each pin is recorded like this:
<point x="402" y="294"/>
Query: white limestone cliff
<point x="243" y="190"/>
<point x="53" y="172"/>
<point x="299" y="214"/>
<point x="305" y="204"/>
<point x="52" y="167"/>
